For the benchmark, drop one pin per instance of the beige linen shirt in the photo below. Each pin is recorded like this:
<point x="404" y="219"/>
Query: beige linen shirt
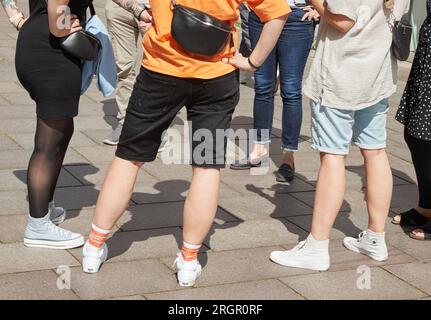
<point x="355" y="70"/>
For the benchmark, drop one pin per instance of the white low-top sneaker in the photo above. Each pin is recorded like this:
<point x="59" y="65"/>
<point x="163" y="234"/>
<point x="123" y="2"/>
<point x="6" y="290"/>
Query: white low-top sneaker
<point x="308" y="254"/>
<point x="187" y="271"/>
<point x="368" y="243"/>
<point x="93" y="258"/>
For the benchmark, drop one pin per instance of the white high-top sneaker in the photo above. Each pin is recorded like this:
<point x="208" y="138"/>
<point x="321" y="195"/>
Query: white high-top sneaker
<point x="308" y="254"/>
<point x="93" y="258"/>
<point x="369" y="243"/>
<point x="57" y="214"/>
<point x="187" y="271"/>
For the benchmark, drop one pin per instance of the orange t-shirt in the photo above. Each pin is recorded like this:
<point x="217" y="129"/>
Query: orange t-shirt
<point x="163" y="55"/>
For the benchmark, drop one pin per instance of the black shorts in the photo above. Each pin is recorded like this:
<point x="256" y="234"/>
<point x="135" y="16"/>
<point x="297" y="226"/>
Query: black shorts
<point x="155" y="101"/>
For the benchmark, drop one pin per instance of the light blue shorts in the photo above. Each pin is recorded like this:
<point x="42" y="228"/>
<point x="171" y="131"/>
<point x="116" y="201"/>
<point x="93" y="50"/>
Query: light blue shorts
<point x="333" y="130"/>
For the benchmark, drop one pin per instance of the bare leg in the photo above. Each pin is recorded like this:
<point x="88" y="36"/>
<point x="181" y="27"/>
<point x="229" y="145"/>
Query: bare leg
<point x="379" y="188"/>
<point x="116" y="192"/>
<point x="331" y="186"/>
<point x="288" y="158"/>
<point x="201" y="204"/>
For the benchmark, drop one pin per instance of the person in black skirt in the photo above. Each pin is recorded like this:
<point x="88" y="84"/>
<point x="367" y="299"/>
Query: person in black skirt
<point x="53" y="80"/>
<point x="415" y="113"/>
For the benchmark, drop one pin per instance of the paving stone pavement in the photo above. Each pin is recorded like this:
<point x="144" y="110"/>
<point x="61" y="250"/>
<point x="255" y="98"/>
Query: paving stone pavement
<point x="256" y="215"/>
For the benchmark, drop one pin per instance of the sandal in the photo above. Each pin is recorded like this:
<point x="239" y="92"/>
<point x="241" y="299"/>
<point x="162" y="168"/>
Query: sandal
<point x="426" y="229"/>
<point x="411" y="218"/>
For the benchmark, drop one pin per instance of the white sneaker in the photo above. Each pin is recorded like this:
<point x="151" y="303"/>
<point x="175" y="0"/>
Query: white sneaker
<point x="308" y="254"/>
<point x="57" y="214"/>
<point x="93" y="258"/>
<point x="368" y="243"/>
<point x="187" y="271"/>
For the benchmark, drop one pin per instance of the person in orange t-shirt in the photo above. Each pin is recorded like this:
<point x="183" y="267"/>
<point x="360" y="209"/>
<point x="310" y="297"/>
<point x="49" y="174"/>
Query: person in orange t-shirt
<point x="171" y="78"/>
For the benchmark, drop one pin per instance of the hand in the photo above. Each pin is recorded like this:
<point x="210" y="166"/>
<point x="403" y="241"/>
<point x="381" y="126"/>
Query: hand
<point x="21" y="23"/>
<point x="144" y="26"/>
<point x="146" y="17"/>
<point x="310" y="14"/>
<point x="75" y="26"/>
<point x="389" y="4"/>
<point x="239" y="62"/>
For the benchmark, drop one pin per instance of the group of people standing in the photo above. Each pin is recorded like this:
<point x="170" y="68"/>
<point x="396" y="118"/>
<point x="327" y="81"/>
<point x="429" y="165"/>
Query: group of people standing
<point x="352" y="76"/>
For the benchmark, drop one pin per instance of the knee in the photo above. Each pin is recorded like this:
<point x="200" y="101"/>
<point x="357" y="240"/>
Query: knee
<point x="138" y="164"/>
<point x="264" y="88"/>
<point x="371" y="154"/>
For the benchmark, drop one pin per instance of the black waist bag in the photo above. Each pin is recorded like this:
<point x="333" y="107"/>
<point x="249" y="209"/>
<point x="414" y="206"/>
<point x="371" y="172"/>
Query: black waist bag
<point x="198" y="32"/>
<point x="82" y="44"/>
<point x="401" y="39"/>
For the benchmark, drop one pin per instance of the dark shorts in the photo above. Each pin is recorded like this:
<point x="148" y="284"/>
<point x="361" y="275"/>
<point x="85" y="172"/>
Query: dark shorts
<point x="155" y="101"/>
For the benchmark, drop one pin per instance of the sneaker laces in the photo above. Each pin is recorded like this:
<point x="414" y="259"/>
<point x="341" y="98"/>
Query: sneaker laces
<point x="361" y="235"/>
<point x="300" y="245"/>
<point x="57" y="230"/>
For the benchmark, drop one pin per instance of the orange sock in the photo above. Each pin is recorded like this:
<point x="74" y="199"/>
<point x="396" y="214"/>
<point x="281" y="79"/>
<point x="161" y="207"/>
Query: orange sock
<point x="189" y="251"/>
<point x="98" y="236"/>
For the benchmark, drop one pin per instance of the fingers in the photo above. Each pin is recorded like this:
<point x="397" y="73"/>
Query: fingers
<point x="75" y="25"/>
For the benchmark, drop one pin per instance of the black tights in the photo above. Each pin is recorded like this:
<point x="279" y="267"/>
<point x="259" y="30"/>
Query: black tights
<point x="421" y="155"/>
<point x="50" y="144"/>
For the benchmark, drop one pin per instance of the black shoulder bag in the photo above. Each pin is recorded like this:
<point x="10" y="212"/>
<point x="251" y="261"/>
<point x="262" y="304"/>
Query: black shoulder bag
<point x="82" y="44"/>
<point x="198" y="32"/>
<point x="401" y="38"/>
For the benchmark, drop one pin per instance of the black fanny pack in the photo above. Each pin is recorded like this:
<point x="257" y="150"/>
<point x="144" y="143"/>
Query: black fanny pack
<point x="82" y="44"/>
<point x="198" y="32"/>
<point x="401" y="38"/>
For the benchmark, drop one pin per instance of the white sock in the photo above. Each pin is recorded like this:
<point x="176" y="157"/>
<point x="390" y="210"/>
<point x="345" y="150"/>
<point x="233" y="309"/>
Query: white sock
<point x="377" y="235"/>
<point x="318" y="244"/>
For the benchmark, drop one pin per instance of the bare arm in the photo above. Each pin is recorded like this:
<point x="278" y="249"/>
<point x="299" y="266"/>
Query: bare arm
<point x="141" y="13"/>
<point x="338" y="21"/>
<point x="15" y="15"/>
<point x="61" y="23"/>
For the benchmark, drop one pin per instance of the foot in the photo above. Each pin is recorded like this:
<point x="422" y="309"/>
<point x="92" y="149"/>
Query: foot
<point x="48" y="235"/>
<point x="246" y="164"/>
<point x="285" y="173"/>
<point x="308" y="254"/>
<point x="368" y="243"/>
<point x="93" y="257"/>
<point x="187" y="271"/>
<point x="57" y="214"/>
<point x="114" y="137"/>
<point x="412" y="217"/>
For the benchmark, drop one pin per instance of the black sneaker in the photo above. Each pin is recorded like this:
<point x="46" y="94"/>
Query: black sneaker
<point x="285" y="173"/>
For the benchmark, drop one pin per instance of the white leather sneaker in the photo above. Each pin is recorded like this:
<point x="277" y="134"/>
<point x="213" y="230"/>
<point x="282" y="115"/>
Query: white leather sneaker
<point x="187" y="271"/>
<point x="368" y="243"/>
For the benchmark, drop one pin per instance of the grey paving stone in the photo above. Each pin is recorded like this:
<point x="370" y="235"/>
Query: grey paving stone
<point x="264" y="206"/>
<point x="37" y="285"/>
<point x="76" y="198"/>
<point x="343" y="285"/>
<point x="16" y="257"/>
<point x="405" y="196"/>
<point x="166" y="172"/>
<point x="16" y="202"/>
<point x="17" y="98"/>
<point x="417" y="274"/>
<point x="415" y="248"/>
<point x="97" y="154"/>
<point x="161" y="215"/>
<point x="136" y="297"/>
<point x="18" y="159"/>
<point x="7" y="143"/>
<point x="239" y="266"/>
<point x="347" y="224"/>
<point x="122" y="279"/>
<point x="94" y="175"/>
<point x="254" y="233"/>
<point x="137" y="245"/>
<point x="26" y="140"/>
<point x="253" y="290"/>
<point x="17" y="125"/>
<point x="93" y="122"/>
<point x="7" y="86"/>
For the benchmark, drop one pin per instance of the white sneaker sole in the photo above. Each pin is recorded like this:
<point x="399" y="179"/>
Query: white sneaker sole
<point x="59" y="245"/>
<point x="110" y="142"/>
<point x="365" y="252"/>
<point x="302" y="265"/>
<point x="92" y="265"/>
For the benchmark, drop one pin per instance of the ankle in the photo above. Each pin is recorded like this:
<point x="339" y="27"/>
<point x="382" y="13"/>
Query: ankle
<point x="425" y="212"/>
<point x="189" y="252"/>
<point x="288" y="158"/>
<point x="97" y="237"/>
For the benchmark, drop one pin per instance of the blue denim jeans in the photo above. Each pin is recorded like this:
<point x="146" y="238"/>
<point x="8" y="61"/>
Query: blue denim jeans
<point x="290" y="56"/>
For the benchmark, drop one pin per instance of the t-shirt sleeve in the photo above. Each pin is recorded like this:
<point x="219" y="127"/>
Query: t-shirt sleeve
<point x="346" y="8"/>
<point x="269" y="9"/>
